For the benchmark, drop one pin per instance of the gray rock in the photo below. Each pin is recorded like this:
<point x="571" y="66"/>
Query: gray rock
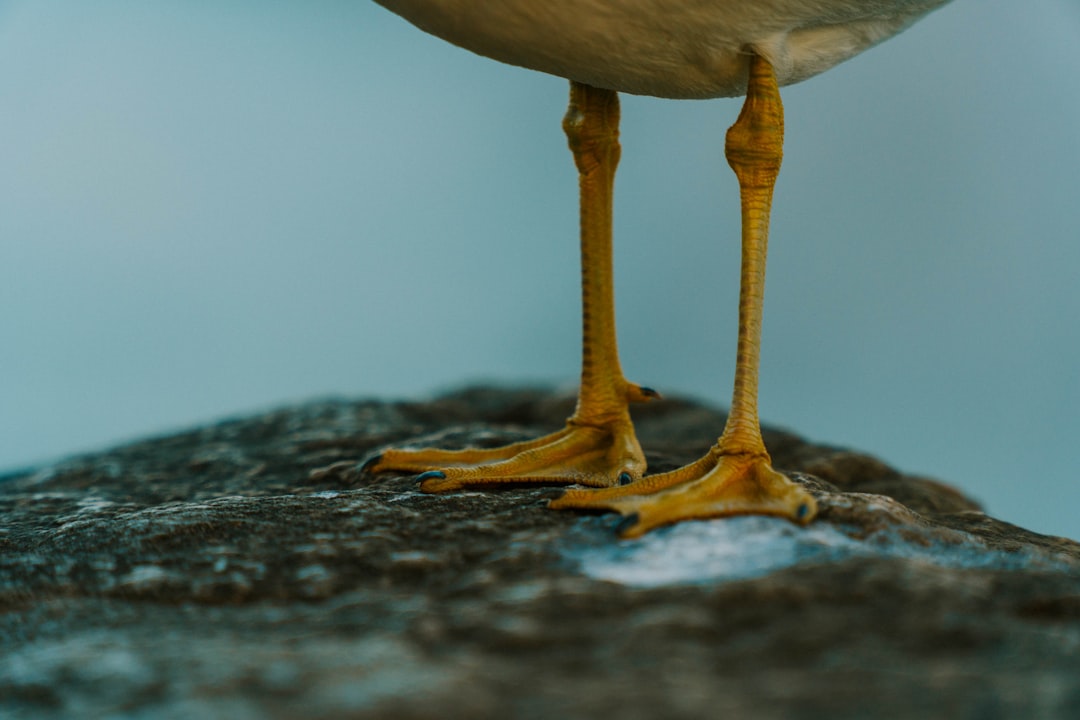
<point x="248" y="570"/>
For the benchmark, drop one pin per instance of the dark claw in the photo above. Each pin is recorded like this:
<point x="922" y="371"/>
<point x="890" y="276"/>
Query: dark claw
<point x="626" y="523"/>
<point x="370" y="463"/>
<point x="625" y="479"/>
<point x="430" y="475"/>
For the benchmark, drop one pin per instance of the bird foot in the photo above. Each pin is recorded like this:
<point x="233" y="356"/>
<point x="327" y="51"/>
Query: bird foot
<point x="596" y="455"/>
<point x="718" y="485"/>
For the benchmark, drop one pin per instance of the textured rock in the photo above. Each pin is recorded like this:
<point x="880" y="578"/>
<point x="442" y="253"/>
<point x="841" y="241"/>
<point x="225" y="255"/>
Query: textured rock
<point x="247" y="570"/>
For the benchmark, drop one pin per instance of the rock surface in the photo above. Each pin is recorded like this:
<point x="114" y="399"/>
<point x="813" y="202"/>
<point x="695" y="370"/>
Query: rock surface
<point x="218" y="573"/>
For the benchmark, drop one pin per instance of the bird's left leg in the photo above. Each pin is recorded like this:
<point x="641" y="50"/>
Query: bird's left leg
<point x="598" y="446"/>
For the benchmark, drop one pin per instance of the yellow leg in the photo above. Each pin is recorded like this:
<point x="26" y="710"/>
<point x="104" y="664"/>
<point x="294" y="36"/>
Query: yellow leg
<point x="736" y="476"/>
<point x="597" y="447"/>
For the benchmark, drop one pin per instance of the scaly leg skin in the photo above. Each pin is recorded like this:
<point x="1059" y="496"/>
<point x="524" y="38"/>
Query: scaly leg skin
<point x="736" y="476"/>
<point x="597" y="447"/>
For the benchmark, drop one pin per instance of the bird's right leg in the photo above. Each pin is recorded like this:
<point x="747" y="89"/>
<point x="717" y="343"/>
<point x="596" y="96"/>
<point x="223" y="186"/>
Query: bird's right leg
<point x="598" y="447"/>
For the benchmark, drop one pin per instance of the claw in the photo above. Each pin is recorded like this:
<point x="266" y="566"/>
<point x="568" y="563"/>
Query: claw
<point x="430" y="475"/>
<point x="626" y="523"/>
<point x="641" y="394"/>
<point x="371" y="462"/>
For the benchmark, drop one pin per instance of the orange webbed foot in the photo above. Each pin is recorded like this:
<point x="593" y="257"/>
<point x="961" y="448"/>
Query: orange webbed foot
<point x="600" y="453"/>
<point x="718" y="485"/>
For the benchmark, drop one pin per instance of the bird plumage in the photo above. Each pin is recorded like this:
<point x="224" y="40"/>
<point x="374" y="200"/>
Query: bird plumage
<point x="666" y="48"/>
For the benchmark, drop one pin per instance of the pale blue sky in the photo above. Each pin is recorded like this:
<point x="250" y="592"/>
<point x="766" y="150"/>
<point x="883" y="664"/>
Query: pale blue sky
<point x="208" y="209"/>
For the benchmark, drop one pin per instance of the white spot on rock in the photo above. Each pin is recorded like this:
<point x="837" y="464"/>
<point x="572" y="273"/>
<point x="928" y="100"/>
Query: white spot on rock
<point x="741" y="548"/>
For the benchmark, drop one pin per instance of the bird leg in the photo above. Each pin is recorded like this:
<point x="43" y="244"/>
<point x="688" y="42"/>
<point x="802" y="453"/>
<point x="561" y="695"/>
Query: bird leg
<point x="597" y="447"/>
<point x="736" y="476"/>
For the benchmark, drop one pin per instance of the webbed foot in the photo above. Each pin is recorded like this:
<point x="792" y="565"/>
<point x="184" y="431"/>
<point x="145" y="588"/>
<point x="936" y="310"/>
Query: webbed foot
<point x="718" y="485"/>
<point x="600" y="452"/>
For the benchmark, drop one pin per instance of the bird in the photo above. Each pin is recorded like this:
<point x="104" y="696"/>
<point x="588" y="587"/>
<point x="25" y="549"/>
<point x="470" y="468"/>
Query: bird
<point x="678" y="49"/>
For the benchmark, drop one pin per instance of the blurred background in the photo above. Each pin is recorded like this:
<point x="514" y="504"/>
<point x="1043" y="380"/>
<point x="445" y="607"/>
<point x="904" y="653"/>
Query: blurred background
<point x="209" y="209"/>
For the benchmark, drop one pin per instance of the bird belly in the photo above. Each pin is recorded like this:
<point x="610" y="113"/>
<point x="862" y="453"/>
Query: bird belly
<point x="666" y="48"/>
